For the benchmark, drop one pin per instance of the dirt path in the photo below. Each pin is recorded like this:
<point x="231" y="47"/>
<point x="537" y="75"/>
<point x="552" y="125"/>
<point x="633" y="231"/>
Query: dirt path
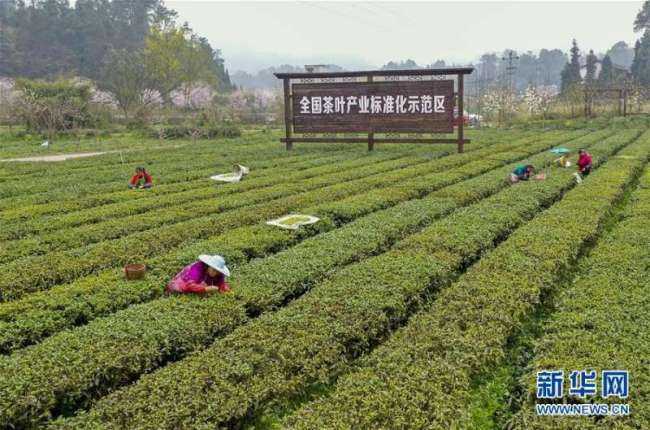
<point x="61" y="157"/>
<point x="71" y="156"/>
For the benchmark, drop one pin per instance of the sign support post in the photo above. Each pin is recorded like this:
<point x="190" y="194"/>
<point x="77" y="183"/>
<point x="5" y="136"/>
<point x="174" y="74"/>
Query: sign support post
<point x="287" y="113"/>
<point x="371" y="134"/>
<point x="461" y="114"/>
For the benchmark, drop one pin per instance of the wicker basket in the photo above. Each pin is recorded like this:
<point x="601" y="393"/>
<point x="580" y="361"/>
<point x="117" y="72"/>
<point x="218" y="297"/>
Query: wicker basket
<point x="134" y="271"/>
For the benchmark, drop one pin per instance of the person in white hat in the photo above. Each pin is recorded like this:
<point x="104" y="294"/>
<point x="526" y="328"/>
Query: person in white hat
<point x="205" y="276"/>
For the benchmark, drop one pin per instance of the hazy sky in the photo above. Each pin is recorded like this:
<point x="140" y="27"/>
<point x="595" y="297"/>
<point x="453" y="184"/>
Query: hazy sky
<point x="253" y="35"/>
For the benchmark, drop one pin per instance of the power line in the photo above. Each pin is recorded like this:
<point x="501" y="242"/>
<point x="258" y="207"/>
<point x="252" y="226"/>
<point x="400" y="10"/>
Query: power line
<point x="356" y="19"/>
<point x="396" y="13"/>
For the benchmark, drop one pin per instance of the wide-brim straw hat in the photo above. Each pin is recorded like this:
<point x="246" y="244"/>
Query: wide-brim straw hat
<point x="216" y="262"/>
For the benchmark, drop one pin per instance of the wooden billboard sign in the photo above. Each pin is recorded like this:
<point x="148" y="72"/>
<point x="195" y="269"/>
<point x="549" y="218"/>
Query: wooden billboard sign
<point x="390" y="105"/>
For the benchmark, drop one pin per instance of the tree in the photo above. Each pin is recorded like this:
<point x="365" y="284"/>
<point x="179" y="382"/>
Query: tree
<point x="197" y="65"/>
<point x="621" y="54"/>
<point x="498" y="102"/>
<point x="52" y="106"/>
<point x="528" y="71"/>
<point x="571" y="72"/>
<point x="606" y="75"/>
<point x="488" y="67"/>
<point x="402" y="65"/>
<point x="163" y="50"/>
<point x="592" y="60"/>
<point x="177" y="59"/>
<point x="642" y="21"/>
<point x="551" y="63"/>
<point x="641" y="63"/>
<point x="124" y="76"/>
<point x="7" y="35"/>
<point x="46" y="38"/>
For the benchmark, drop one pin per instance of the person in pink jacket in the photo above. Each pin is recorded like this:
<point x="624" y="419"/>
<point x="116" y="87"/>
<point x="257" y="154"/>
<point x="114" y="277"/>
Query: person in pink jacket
<point x="584" y="162"/>
<point x="205" y="276"/>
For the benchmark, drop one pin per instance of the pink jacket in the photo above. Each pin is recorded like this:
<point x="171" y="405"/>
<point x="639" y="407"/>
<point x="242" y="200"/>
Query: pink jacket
<point x="194" y="278"/>
<point x="584" y="161"/>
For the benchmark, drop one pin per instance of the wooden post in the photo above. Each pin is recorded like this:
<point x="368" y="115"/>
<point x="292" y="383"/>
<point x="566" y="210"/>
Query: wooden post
<point x="371" y="134"/>
<point x="461" y="92"/>
<point x="625" y="102"/>
<point x="287" y="114"/>
<point x="620" y="102"/>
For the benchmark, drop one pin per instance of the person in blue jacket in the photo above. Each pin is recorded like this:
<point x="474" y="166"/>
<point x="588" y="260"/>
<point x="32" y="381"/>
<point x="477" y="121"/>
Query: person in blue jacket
<point x="522" y="173"/>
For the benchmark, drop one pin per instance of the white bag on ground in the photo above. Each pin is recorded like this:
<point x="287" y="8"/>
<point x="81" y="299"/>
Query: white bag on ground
<point x="578" y="177"/>
<point x="293" y="221"/>
<point x="238" y="173"/>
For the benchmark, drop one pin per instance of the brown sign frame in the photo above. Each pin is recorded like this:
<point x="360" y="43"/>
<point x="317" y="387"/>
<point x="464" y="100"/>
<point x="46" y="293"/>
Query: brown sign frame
<point x="392" y="80"/>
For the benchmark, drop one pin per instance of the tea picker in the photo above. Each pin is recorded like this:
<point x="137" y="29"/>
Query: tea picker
<point x="524" y="173"/>
<point x="207" y="275"/>
<point x="141" y="179"/>
<point x="564" y="153"/>
<point x="584" y="165"/>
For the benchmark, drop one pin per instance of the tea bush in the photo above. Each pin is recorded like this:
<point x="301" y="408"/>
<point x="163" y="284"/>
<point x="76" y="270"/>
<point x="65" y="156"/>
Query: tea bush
<point x="258" y="288"/>
<point x="601" y="321"/>
<point x="315" y="337"/>
<point x="426" y="370"/>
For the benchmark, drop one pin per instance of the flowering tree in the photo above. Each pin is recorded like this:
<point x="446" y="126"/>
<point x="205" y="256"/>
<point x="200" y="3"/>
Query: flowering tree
<point x="498" y="103"/>
<point x="532" y="100"/>
<point x="538" y="100"/>
<point x="8" y="98"/>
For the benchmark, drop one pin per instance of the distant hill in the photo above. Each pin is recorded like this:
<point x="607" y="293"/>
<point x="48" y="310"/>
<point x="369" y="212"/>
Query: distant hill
<point x="265" y="79"/>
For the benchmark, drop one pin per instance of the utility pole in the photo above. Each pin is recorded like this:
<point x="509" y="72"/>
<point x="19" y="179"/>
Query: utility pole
<point x="511" y="68"/>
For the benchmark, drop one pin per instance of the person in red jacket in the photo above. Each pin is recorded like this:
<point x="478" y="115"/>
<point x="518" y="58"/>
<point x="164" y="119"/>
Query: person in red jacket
<point x="205" y="276"/>
<point x="141" y="179"/>
<point x="584" y="162"/>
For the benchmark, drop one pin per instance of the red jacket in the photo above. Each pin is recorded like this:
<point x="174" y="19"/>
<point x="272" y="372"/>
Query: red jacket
<point x="584" y="160"/>
<point x="138" y="176"/>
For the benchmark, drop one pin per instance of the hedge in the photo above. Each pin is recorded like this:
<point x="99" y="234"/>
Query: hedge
<point x="602" y="323"/>
<point x="164" y="182"/>
<point x="186" y="132"/>
<point x="111" y="178"/>
<point x="169" y="177"/>
<point x="41" y="272"/>
<point x="303" y="265"/>
<point x="114" y="221"/>
<point x="96" y="207"/>
<point x="316" y="336"/>
<point x="105" y="169"/>
<point x="183" y="175"/>
<point x="36" y="316"/>
<point x="422" y="376"/>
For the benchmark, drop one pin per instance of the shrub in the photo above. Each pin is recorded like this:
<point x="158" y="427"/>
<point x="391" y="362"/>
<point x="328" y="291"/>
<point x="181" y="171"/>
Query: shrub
<point x="53" y="106"/>
<point x="206" y="132"/>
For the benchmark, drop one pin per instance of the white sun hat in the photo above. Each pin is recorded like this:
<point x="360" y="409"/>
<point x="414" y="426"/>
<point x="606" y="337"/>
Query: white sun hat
<point x="216" y="262"/>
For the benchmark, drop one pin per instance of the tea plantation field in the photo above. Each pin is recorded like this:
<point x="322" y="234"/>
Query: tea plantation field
<point x="429" y="294"/>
